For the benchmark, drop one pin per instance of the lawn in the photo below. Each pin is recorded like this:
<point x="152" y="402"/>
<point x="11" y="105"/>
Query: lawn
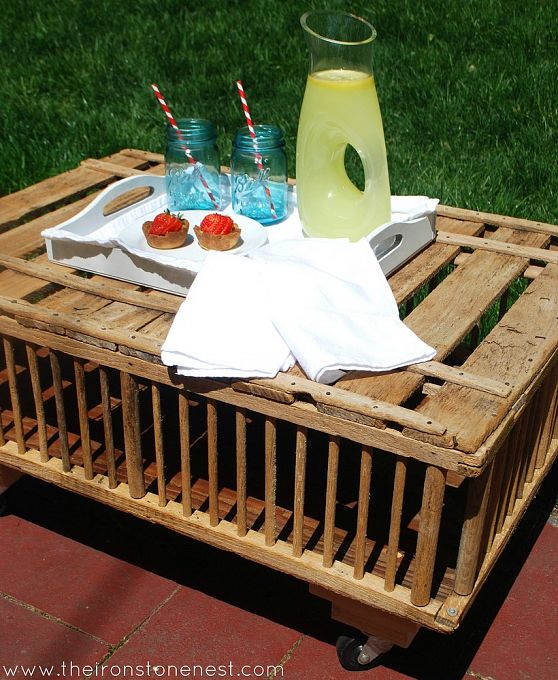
<point x="467" y="89"/>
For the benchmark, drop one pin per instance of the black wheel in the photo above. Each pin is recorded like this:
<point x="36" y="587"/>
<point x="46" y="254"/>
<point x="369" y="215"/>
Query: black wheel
<point x="3" y="505"/>
<point x="348" y="652"/>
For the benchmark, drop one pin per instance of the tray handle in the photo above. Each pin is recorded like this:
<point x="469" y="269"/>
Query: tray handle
<point x="97" y="207"/>
<point x="93" y="216"/>
<point x="400" y="241"/>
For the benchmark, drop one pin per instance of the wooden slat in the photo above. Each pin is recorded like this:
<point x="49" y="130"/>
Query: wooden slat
<point x="62" y="276"/>
<point x="38" y="400"/>
<point x="362" y="514"/>
<point x="506" y="454"/>
<point x="299" y="489"/>
<point x="104" y="383"/>
<point x="159" y="444"/>
<point x="471" y="534"/>
<point x="497" y="220"/>
<point x="524" y="341"/>
<point x="498" y="247"/>
<point x="430" y="516"/>
<point x="68" y="185"/>
<point x="530" y="273"/>
<point x="445" y="317"/>
<point x="457" y="376"/>
<point x="60" y="409"/>
<point x="241" y="523"/>
<point x="520" y="435"/>
<point x="81" y="397"/>
<point x="132" y="436"/>
<point x="541" y="401"/>
<point x="270" y="480"/>
<point x="331" y="499"/>
<point x="395" y="522"/>
<point x="212" y="466"/>
<point x="332" y="396"/>
<point x="111" y="169"/>
<point x="144" y="155"/>
<point x="185" y="465"/>
<point x="412" y="277"/>
<point x="14" y="393"/>
<point x="551" y="419"/>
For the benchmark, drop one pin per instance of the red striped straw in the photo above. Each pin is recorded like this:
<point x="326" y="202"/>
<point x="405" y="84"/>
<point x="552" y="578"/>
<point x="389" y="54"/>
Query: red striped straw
<point x="180" y="136"/>
<point x="254" y="139"/>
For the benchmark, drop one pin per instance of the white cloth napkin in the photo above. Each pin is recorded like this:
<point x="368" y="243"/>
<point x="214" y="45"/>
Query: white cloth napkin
<point x="324" y="302"/>
<point x="223" y="328"/>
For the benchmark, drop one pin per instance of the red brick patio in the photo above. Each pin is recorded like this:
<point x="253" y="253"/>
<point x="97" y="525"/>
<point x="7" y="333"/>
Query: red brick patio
<point x="83" y="584"/>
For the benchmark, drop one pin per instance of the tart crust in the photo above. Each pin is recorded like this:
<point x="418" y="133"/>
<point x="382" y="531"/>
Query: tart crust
<point x="218" y="241"/>
<point x="174" y="239"/>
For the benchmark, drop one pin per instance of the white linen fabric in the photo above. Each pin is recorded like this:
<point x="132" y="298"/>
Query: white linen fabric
<point x="223" y="328"/>
<point x="324" y="302"/>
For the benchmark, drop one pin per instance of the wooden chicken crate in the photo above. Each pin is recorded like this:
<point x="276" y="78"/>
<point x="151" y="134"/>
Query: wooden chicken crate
<point x="392" y="495"/>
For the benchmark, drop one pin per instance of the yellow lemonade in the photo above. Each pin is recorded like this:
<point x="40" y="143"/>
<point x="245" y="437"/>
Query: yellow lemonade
<point x="340" y="107"/>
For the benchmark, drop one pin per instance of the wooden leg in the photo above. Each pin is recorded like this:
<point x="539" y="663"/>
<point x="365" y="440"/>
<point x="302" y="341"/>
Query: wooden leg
<point x="369" y="620"/>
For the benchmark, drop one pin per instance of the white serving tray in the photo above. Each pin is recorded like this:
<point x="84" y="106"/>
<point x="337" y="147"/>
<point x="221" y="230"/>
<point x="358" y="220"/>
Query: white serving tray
<point x="87" y="241"/>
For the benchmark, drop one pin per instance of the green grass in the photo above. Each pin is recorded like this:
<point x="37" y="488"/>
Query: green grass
<point x="467" y="89"/>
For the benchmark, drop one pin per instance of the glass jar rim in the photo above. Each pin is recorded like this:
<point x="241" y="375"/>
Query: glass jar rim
<point x="194" y="129"/>
<point x="267" y="137"/>
<point x="304" y="23"/>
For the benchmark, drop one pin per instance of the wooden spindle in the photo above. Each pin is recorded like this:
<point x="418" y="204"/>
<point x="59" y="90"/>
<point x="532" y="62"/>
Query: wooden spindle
<point x="107" y="427"/>
<point x="38" y="400"/>
<point x="60" y="410"/>
<point x="362" y="514"/>
<point x="159" y="444"/>
<point x="395" y="522"/>
<point x="506" y="483"/>
<point x="212" y="463"/>
<point x="185" y="468"/>
<point x="79" y="374"/>
<point x="497" y="485"/>
<point x="331" y="499"/>
<point x="472" y="532"/>
<point x="270" y="480"/>
<point x="550" y="419"/>
<point x="514" y="456"/>
<point x="14" y="394"/>
<point x="300" y="483"/>
<point x="530" y="417"/>
<point x="519" y="446"/>
<point x="241" y="519"/>
<point x="540" y="411"/>
<point x="430" y="516"/>
<point x="132" y="434"/>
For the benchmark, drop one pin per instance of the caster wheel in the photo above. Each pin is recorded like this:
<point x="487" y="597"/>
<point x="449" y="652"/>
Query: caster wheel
<point x="349" y="653"/>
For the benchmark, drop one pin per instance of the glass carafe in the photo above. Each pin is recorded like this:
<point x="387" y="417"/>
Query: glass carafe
<point x="340" y="108"/>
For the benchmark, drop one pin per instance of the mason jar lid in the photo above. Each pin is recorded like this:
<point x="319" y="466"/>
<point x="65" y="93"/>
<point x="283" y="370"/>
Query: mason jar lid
<point x="193" y="130"/>
<point x="267" y="137"/>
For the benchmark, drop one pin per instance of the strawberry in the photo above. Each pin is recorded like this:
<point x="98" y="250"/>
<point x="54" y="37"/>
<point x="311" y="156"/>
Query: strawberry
<point x="217" y="224"/>
<point x="166" y="222"/>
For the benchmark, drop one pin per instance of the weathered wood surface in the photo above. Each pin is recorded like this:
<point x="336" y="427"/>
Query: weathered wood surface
<point x="120" y="317"/>
<point x="516" y="349"/>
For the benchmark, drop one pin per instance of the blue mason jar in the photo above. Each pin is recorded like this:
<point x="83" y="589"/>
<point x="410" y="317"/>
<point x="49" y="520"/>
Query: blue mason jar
<point x="259" y="174"/>
<point x="193" y="185"/>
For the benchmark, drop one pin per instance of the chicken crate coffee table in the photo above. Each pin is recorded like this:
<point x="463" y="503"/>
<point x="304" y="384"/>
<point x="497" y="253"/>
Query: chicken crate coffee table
<point x="392" y="495"/>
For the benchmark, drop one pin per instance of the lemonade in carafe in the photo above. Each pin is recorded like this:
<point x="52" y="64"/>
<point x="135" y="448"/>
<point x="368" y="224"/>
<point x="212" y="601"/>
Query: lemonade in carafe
<point x="340" y="108"/>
